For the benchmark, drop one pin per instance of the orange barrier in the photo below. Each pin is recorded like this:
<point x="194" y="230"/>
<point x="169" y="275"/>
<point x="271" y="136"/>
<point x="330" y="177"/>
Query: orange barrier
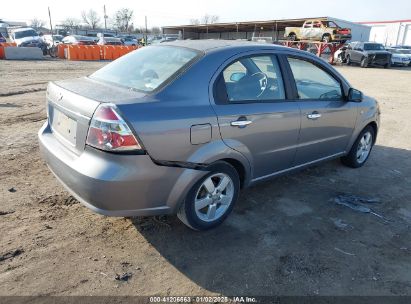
<point x="3" y="45"/>
<point x="60" y="50"/>
<point x="109" y="52"/>
<point x="94" y="52"/>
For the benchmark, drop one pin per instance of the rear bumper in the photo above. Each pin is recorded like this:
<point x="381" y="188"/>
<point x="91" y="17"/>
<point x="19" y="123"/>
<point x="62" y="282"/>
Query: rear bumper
<point x="117" y="185"/>
<point x="340" y="37"/>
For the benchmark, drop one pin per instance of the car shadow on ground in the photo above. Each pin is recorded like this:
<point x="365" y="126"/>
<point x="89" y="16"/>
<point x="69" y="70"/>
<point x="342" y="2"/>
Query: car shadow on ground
<point x="288" y="237"/>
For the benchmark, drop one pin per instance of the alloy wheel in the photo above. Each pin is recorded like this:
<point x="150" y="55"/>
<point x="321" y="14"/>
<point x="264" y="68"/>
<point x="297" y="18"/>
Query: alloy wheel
<point x="214" y="197"/>
<point x="364" y="147"/>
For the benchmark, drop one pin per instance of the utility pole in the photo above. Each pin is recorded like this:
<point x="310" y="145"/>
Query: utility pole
<point x="105" y="18"/>
<point x="145" y="38"/>
<point x="51" y="27"/>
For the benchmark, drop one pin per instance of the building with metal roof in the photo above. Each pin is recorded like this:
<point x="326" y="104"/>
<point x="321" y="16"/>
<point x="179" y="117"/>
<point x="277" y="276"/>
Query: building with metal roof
<point x="255" y="30"/>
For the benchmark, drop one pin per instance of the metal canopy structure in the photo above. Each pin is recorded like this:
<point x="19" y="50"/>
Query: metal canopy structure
<point x="273" y="26"/>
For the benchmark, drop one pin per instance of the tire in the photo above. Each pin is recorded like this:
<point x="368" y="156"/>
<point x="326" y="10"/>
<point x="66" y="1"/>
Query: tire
<point x="352" y="159"/>
<point x="326" y="38"/>
<point x="348" y="60"/>
<point x="387" y="66"/>
<point x="292" y="37"/>
<point x="197" y="210"/>
<point x="364" y="62"/>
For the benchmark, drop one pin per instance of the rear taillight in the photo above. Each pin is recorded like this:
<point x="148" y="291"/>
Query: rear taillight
<point x="109" y="132"/>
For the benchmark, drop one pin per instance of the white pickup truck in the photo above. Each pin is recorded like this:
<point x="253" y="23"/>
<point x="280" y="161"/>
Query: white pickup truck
<point x="25" y="36"/>
<point x="318" y="30"/>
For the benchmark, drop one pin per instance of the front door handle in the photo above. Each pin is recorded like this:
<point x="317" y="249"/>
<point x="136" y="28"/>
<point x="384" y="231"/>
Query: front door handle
<point x="242" y="122"/>
<point x="314" y="115"/>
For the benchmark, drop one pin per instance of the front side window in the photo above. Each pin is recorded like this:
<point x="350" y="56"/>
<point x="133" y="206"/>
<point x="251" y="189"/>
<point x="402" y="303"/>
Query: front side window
<point x="307" y="24"/>
<point x="148" y="68"/>
<point x="313" y="82"/>
<point x="254" y="79"/>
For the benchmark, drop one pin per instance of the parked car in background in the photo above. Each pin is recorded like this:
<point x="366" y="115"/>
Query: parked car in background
<point x="49" y="39"/>
<point x="400" y="57"/>
<point x="129" y="40"/>
<point x="407" y="47"/>
<point x="368" y="54"/>
<point x="180" y="127"/>
<point x="406" y="52"/>
<point x="339" y="55"/>
<point x="319" y="30"/>
<point x="78" y="40"/>
<point x="2" y="39"/>
<point x="26" y="37"/>
<point x="51" y="42"/>
<point x="109" y="41"/>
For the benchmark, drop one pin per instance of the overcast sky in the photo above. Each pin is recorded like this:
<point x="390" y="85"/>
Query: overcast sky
<point x="176" y="12"/>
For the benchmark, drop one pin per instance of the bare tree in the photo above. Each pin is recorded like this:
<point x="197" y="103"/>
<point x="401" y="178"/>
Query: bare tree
<point x="91" y="18"/>
<point x="37" y="23"/>
<point x="122" y="19"/>
<point x="209" y="19"/>
<point x="70" y="23"/>
<point x="206" y="19"/>
<point x="194" y="21"/>
<point x="155" y="30"/>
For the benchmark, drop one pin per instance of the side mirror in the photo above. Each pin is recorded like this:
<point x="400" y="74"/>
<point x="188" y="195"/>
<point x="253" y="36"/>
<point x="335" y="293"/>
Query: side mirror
<point x="236" y="76"/>
<point x="354" y="95"/>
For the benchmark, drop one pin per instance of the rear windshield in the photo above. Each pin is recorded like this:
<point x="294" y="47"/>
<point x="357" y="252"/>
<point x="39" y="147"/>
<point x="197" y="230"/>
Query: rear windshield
<point x="148" y="68"/>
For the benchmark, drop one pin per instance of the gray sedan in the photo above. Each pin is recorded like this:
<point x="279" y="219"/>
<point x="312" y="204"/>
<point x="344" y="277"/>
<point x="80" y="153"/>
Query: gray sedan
<point x="181" y="127"/>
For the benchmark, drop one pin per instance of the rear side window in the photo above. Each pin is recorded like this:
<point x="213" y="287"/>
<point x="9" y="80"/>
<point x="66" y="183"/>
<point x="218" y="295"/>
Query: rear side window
<point x="256" y="78"/>
<point x="148" y="68"/>
<point x="313" y="82"/>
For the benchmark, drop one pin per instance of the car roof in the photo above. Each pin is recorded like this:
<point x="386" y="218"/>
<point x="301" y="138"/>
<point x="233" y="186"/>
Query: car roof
<point x="212" y="45"/>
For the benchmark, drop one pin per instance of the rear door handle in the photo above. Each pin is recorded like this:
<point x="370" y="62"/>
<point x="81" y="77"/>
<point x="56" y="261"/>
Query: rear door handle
<point x="242" y="122"/>
<point x="313" y="115"/>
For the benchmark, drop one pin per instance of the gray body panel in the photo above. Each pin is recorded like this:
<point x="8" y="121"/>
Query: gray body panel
<point x="183" y="130"/>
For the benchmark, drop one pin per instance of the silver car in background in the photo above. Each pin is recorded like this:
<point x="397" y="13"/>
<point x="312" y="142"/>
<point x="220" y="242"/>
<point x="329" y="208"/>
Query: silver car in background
<point x="181" y="127"/>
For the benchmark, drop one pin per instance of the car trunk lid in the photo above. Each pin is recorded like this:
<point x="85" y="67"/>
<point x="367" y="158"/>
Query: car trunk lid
<point x="72" y="103"/>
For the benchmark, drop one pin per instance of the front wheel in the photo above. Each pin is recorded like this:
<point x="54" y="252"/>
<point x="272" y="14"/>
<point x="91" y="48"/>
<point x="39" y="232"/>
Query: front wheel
<point x="211" y="199"/>
<point x="292" y="37"/>
<point x="364" y="62"/>
<point x="348" y="59"/>
<point x="361" y="149"/>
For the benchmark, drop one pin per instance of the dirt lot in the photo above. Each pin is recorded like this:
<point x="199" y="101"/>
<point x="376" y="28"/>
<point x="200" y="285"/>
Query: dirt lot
<point x="285" y="237"/>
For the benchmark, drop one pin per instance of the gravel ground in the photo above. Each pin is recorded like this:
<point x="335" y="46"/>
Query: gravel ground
<point x="284" y="237"/>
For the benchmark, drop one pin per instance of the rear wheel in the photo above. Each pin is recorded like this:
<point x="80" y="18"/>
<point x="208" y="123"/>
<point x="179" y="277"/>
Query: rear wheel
<point x="361" y="149"/>
<point x="211" y="199"/>
<point x="326" y="38"/>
